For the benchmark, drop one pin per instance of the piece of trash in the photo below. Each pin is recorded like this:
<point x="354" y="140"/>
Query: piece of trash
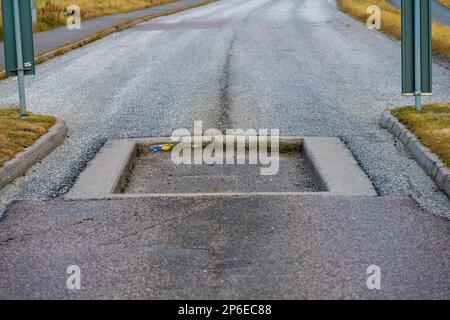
<point x="166" y="147"/>
<point x="162" y="147"/>
<point x="155" y="149"/>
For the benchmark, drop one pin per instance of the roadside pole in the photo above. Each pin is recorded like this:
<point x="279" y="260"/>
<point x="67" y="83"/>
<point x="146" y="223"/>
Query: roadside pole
<point x="417" y="55"/>
<point x="417" y="63"/>
<point x="18" y="44"/>
<point x="20" y="68"/>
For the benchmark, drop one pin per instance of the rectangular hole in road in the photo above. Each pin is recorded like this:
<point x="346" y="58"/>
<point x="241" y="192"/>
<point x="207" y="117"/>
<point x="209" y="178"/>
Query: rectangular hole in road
<point x="157" y="173"/>
<point x="308" y="165"/>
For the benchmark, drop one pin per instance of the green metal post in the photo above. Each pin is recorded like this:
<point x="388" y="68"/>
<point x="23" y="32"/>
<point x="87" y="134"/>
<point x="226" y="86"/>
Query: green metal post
<point x="417" y="55"/>
<point x="416" y="49"/>
<point x="20" y="68"/>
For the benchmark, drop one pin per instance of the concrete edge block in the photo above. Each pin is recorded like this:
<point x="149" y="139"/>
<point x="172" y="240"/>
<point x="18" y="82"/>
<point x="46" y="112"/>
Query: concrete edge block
<point x="390" y="124"/>
<point x="446" y="186"/>
<point x="335" y="168"/>
<point x="428" y="166"/>
<point x="406" y="137"/>
<point x="42" y="147"/>
<point x="397" y="129"/>
<point x="432" y="163"/>
<point x="435" y="170"/>
<point x="384" y="119"/>
<point x="415" y="149"/>
<point x="442" y="175"/>
<point x="107" y="172"/>
<point x="412" y="143"/>
<point x="419" y="155"/>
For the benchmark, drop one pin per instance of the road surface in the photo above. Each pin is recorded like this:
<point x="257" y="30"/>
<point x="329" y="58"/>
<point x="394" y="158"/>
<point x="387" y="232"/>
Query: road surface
<point x="55" y="38"/>
<point x="285" y="247"/>
<point x="440" y="12"/>
<point x="300" y="66"/>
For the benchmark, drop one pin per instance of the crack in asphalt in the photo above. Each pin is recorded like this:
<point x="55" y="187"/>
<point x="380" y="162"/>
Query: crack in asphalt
<point x="175" y="217"/>
<point x="224" y="101"/>
<point x="149" y="227"/>
<point x="225" y="121"/>
<point x="18" y="238"/>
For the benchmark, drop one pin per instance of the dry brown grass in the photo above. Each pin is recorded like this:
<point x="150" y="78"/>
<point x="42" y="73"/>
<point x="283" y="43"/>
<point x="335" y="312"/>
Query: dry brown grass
<point x="431" y="125"/>
<point x="18" y="133"/>
<point x="441" y="39"/>
<point x="391" y="21"/>
<point x="51" y="12"/>
<point x="445" y="2"/>
<point x="97" y="8"/>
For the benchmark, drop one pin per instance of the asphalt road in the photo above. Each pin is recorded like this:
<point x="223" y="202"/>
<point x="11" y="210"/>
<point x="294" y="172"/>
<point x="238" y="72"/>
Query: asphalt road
<point x="300" y="66"/>
<point x="55" y="38"/>
<point x="440" y="12"/>
<point x="284" y="247"/>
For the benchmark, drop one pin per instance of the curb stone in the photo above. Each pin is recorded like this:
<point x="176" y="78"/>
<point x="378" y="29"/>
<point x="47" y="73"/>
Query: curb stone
<point x="429" y="161"/>
<point x="33" y="154"/>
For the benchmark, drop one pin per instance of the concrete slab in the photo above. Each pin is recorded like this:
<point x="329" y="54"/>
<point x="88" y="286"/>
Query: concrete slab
<point x="335" y="168"/>
<point x="107" y="173"/>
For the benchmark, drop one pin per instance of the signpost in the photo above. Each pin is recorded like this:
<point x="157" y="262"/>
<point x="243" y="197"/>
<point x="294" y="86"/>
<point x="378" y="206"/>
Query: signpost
<point x="18" y="43"/>
<point x="416" y="49"/>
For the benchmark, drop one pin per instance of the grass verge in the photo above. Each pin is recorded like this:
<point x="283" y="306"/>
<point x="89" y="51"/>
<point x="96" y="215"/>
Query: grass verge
<point x="51" y="13"/>
<point x="18" y="133"/>
<point x="431" y="125"/>
<point x="445" y="3"/>
<point x="391" y="21"/>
